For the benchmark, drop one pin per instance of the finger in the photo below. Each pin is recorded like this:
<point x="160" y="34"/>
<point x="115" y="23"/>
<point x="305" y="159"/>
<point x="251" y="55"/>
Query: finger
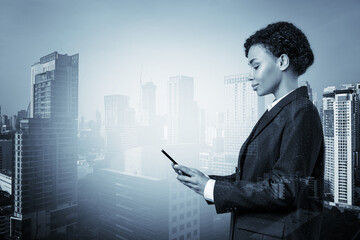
<point x="184" y="178"/>
<point x="184" y="169"/>
<point x="191" y="186"/>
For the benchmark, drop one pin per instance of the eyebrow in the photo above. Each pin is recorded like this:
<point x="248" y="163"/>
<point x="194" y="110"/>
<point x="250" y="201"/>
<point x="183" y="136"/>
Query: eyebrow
<point x="252" y="61"/>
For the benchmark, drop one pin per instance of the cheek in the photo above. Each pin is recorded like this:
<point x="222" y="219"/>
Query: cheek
<point x="267" y="75"/>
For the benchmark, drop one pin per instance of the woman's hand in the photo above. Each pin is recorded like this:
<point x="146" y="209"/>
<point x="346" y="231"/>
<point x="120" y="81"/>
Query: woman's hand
<point x="196" y="181"/>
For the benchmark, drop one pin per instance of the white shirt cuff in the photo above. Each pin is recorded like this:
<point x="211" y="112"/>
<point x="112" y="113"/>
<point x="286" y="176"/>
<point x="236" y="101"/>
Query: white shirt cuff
<point x="209" y="190"/>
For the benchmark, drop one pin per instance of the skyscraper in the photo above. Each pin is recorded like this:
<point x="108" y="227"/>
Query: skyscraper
<point x="120" y="131"/>
<point x="6" y="152"/>
<point x="243" y="109"/>
<point x="341" y="130"/>
<point x="150" y="130"/>
<point x="148" y="103"/>
<point x="328" y="128"/>
<point x="45" y="193"/>
<point x="132" y="206"/>
<point x="183" y="113"/>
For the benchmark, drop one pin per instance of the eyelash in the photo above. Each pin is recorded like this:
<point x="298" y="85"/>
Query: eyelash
<point x="256" y="67"/>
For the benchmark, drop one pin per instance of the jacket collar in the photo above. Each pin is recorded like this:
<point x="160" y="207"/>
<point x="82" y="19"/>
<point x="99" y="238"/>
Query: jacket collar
<point x="301" y="92"/>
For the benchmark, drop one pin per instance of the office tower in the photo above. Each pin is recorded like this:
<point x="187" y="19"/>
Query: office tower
<point x="45" y="177"/>
<point x="184" y="212"/>
<point x="120" y="129"/>
<point x="6" y="152"/>
<point x="243" y="109"/>
<point x="183" y="114"/>
<point x="150" y="130"/>
<point x="5" y="181"/>
<point x="54" y="86"/>
<point x="5" y="119"/>
<point x="328" y="128"/>
<point x="148" y="103"/>
<point x="132" y="206"/>
<point x="341" y="131"/>
<point x="5" y="210"/>
<point x="21" y="115"/>
<point x="5" y="124"/>
<point x="12" y="123"/>
<point x="146" y="201"/>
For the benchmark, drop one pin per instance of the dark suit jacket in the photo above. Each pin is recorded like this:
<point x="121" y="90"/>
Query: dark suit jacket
<point x="277" y="193"/>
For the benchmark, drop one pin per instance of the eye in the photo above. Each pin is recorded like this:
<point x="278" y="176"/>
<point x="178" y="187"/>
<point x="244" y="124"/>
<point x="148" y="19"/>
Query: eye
<point x="256" y="67"/>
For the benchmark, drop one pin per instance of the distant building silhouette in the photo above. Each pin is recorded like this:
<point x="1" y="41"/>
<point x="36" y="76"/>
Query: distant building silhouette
<point x="45" y="177"/>
<point x="120" y="130"/>
<point x="243" y="109"/>
<point x="183" y="113"/>
<point x="148" y="104"/>
<point x="150" y="128"/>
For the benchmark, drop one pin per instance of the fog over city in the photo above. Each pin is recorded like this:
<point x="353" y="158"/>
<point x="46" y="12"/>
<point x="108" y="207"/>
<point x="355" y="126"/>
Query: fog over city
<point x="121" y="42"/>
<point x="91" y="91"/>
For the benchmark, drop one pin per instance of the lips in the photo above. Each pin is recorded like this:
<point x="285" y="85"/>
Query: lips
<point x="254" y="86"/>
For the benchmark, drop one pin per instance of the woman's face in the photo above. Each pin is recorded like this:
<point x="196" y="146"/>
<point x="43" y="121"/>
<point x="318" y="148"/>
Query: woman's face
<point x="265" y="75"/>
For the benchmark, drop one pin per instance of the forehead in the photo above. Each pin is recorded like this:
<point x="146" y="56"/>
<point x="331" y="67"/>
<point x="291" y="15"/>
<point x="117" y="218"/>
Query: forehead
<point x="259" y="52"/>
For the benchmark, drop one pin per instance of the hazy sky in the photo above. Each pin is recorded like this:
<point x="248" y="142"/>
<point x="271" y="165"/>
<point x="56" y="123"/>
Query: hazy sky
<point x="202" y="39"/>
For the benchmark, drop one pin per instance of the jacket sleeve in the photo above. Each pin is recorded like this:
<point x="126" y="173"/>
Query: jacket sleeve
<point x="229" y="178"/>
<point x="301" y="144"/>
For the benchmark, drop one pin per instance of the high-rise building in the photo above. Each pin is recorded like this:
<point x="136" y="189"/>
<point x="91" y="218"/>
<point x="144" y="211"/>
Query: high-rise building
<point x="54" y="86"/>
<point x="183" y="113"/>
<point x="148" y="103"/>
<point x="243" y="109"/>
<point x="341" y="131"/>
<point x="146" y="201"/>
<point x="150" y="129"/>
<point x="328" y="128"/>
<point x="6" y="152"/>
<point x="120" y="131"/>
<point x="132" y="206"/>
<point x="45" y="177"/>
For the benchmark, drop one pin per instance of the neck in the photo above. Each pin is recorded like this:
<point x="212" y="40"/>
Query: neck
<point x="287" y="84"/>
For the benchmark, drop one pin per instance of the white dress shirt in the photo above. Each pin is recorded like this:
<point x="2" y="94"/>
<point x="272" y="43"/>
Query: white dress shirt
<point x="209" y="187"/>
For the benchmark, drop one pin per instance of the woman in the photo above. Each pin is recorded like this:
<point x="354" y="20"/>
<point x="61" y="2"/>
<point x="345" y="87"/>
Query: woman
<point x="277" y="192"/>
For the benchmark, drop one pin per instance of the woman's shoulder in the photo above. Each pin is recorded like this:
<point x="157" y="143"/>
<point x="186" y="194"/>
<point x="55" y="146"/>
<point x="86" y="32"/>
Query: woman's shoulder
<point x="301" y="107"/>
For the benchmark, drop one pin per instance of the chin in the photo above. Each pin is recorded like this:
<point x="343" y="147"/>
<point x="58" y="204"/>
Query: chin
<point x="260" y="94"/>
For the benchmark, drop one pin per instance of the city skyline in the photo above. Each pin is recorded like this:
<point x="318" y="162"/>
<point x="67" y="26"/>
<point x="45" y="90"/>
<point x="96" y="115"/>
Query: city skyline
<point x="125" y="42"/>
<point x="140" y="159"/>
<point x="159" y="75"/>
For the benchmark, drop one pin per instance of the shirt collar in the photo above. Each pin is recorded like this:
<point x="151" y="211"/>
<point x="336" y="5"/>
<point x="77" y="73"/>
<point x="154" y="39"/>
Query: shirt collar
<point x="270" y="106"/>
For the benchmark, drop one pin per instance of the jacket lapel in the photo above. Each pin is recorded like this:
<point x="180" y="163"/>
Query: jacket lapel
<point x="266" y="119"/>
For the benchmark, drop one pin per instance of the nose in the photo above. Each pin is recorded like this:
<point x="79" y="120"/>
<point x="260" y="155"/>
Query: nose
<point x="251" y="75"/>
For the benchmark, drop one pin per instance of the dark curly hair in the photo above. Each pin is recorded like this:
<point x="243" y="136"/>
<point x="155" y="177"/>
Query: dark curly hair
<point x="284" y="37"/>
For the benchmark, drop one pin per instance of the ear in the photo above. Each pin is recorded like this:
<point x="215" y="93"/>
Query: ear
<point x="283" y="62"/>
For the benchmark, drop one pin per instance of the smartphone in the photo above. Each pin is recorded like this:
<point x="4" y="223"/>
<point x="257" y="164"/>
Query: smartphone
<point x="171" y="159"/>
